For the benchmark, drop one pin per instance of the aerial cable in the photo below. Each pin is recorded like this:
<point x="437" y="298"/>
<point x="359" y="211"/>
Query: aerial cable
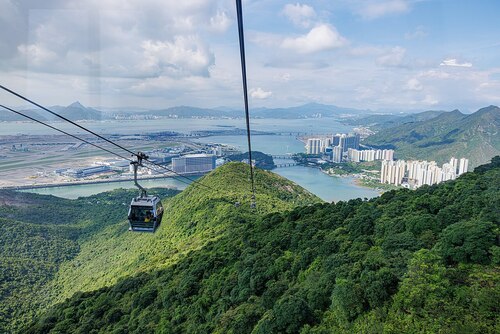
<point x="245" y="93"/>
<point x="97" y="135"/>
<point x="64" y="132"/>
<point x="105" y="149"/>
<point x="65" y="119"/>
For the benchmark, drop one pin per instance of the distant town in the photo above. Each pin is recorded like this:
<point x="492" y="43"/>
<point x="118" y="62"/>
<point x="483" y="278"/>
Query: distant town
<point x="346" y="148"/>
<point x="340" y="154"/>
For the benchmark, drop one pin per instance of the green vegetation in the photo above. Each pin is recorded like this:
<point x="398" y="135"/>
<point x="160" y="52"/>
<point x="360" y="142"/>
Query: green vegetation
<point x="32" y="249"/>
<point x="86" y="245"/>
<point x="347" y="168"/>
<point x="423" y="261"/>
<point x="374" y="182"/>
<point x="262" y="160"/>
<point x="473" y="136"/>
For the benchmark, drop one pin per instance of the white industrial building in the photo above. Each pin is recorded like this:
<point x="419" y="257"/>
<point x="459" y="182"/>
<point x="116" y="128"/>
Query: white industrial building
<point x="194" y="163"/>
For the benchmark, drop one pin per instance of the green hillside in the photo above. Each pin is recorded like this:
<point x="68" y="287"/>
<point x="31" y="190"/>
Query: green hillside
<point x="383" y="121"/>
<point x="52" y="248"/>
<point x="475" y="136"/>
<point x="424" y="261"/>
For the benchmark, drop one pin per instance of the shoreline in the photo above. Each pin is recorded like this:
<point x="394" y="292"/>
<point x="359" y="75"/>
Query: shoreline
<point x="69" y="184"/>
<point x="356" y="180"/>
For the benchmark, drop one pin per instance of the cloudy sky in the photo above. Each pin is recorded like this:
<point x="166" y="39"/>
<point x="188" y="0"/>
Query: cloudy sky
<point x="376" y="54"/>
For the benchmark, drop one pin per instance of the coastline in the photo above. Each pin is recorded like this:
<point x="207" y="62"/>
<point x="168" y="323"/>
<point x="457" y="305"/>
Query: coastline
<point x="79" y="183"/>
<point x="356" y="180"/>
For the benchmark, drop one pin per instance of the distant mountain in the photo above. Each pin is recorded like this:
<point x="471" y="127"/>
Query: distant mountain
<point x="309" y="110"/>
<point x="75" y="112"/>
<point x="8" y="116"/>
<point x="475" y="136"/>
<point x="377" y="122"/>
<point x="189" y="112"/>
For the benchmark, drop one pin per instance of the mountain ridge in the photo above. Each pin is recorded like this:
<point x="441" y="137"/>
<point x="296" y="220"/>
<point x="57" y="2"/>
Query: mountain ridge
<point x="406" y="262"/>
<point x="474" y="136"/>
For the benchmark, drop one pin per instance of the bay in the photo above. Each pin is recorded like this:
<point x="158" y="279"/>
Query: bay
<point x="310" y="125"/>
<point x="326" y="187"/>
<point x="82" y="190"/>
<point x="269" y="144"/>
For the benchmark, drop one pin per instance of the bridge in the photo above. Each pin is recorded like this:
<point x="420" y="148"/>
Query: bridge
<point x="291" y="164"/>
<point x="302" y="134"/>
<point x="287" y="156"/>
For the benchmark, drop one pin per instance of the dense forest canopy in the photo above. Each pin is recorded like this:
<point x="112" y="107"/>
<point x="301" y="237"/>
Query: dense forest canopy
<point x="422" y="261"/>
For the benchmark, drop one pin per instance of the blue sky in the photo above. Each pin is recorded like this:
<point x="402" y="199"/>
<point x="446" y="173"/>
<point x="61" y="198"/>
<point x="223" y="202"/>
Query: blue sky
<point x="372" y="54"/>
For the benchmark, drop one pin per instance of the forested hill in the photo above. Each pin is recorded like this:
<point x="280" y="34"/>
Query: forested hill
<point x="475" y="136"/>
<point x="423" y="261"/>
<point x="51" y="247"/>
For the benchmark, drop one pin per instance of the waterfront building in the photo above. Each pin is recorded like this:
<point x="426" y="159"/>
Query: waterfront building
<point x="369" y="155"/>
<point x="194" y="163"/>
<point x="328" y="155"/>
<point x="87" y="171"/>
<point x="414" y="174"/>
<point x="346" y="141"/>
<point x="313" y="146"/>
<point x="337" y="154"/>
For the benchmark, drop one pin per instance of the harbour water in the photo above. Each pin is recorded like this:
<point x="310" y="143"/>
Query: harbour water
<point x="311" y="125"/>
<point x="326" y="187"/>
<point x="269" y="144"/>
<point x="82" y="190"/>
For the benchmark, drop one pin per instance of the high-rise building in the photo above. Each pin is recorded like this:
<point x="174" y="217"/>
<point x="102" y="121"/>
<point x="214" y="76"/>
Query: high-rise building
<point x="346" y="141"/>
<point x="194" y="163"/>
<point x="418" y="173"/>
<point x="454" y="163"/>
<point x="464" y="165"/>
<point x="369" y="155"/>
<point x="313" y="146"/>
<point x="337" y="154"/>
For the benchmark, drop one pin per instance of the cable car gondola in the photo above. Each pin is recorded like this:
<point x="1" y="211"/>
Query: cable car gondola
<point x="145" y="212"/>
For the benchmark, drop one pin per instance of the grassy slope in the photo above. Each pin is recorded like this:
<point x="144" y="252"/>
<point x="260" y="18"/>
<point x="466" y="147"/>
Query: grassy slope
<point x="423" y="261"/>
<point x="474" y="136"/>
<point x="193" y="218"/>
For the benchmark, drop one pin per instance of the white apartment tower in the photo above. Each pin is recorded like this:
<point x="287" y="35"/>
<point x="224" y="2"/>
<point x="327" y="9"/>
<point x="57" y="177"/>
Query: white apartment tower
<point x="464" y="164"/>
<point x="313" y="146"/>
<point x="419" y="173"/>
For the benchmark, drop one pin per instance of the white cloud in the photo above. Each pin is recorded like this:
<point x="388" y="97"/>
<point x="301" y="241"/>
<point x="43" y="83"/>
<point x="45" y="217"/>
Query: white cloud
<point x="419" y="32"/>
<point x="37" y="54"/>
<point x="259" y="93"/>
<point x="184" y="57"/>
<point x="455" y="63"/>
<point x="414" y="85"/>
<point x="300" y="15"/>
<point x="393" y="58"/>
<point x="220" y="22"/>
<point x="320" y="38"/>
<point x="429" y="100"/>
<point x="373" y="9"/>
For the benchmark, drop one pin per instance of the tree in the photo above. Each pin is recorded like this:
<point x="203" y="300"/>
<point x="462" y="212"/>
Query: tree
<point x="467" y="242"/>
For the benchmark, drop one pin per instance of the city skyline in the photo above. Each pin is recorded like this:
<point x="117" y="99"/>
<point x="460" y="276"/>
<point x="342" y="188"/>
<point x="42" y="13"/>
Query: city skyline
<point x="376" y="54"/>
